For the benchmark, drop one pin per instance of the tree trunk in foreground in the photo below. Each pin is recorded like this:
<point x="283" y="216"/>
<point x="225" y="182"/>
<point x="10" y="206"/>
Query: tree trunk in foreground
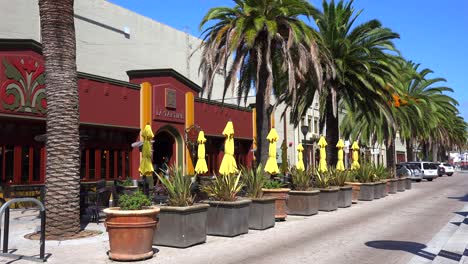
<point x="409" y="150"/>
<point x="332" y="131"/>
<point x="62" y="198"/>
<point x="263" y="126"/>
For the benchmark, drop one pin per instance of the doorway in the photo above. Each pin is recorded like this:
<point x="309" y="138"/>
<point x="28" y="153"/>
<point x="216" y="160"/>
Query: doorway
<point x="164" y="149"/>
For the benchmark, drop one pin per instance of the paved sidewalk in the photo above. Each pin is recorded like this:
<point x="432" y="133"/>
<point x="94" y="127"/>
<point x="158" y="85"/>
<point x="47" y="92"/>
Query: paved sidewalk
<point x="387" y="230"/>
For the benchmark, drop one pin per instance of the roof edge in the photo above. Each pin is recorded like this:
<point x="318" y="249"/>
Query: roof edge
<point x="163" y="73"/>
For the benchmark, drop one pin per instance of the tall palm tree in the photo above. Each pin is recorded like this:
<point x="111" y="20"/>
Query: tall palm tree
<point x="63" y="155"/>
<point x="252" y="45"/>
<point x="361" y="66"/>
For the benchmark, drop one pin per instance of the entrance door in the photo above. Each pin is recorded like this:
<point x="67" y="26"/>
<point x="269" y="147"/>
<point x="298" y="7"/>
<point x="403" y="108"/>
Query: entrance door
<point x="164" y="151"/>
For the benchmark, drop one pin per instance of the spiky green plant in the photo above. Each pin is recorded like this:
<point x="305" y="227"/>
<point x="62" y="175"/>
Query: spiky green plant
<point x="178" y="187"/>
<point x="323" y="180"/>
<point x="340" y="177"/>
<point x="224" y="187"/>
<point x="273" y="184"/>
<point x="365" y="174"/>
<point x="302" y="180"/>
<point x="381" y="172"/>
<point x="253" y="180"/>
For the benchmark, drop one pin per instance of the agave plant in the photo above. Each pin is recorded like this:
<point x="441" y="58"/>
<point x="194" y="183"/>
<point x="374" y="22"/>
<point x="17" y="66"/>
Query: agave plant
<point x="365" y="174"/>
<point x="381" y="172"/>
<point x="253" y="180"/>
<point x="323" y="179"/>
<point x="178" y="187"/>
<point x="224" y="187"/>
<point x="302" y="180"/>
<point x="340" y="177"/>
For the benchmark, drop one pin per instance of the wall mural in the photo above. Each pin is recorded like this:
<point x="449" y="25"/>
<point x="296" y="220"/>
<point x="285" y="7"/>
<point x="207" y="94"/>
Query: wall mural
<point x="24" y="89"/>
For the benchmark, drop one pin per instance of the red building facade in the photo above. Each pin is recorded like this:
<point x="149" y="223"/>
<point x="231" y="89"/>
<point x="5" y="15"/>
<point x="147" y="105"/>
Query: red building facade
<point x="109" y="120"/>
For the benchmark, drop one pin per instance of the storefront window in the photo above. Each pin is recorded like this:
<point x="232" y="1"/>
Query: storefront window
<point x="119" y="163"/>
<point x="104" y="154"/>
<point x="9" y="163"/>
<point x="25" y="164"/>
<point x="36" y="177"/>
<point x="83" y="164"/>
<point x="92" y="164"/>
<point x="111" y="164"/>
<point x="127" y="165"/>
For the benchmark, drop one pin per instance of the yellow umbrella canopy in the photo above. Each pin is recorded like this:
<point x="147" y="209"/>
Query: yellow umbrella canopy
<point x="323" y="155"/>
<point x="201" y="166"/>
<point x="300" y="162"/>
<point x="272" y="166"/>
<point x="146" y="166"/>
<point x="340" y="164"/>
<point x="355" y="165"/>
<point x="228" y="164"/>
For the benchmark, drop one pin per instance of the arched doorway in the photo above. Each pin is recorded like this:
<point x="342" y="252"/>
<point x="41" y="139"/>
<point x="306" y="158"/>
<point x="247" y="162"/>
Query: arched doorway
<point x="167" y="148"/>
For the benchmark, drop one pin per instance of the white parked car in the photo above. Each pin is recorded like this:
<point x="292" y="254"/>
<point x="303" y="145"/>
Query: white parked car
<point x="446" y="168"/>
<point x="428" y="169"/>
<point x="410" y="170"/>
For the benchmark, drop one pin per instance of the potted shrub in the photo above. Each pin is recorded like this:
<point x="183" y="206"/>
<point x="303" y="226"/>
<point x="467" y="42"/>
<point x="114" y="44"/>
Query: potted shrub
<point x="303" y="199"/>
<point x="328" y="197"/>
<point x="362" y="181"/>
<point x="262" y="209"/>
<point x="131" y="227"/>
<point x="181" y="222"/>
<point x="275" y="188"/>
<point x="228" y="215"/>
<point x="382" y="174"/>
<point x="346" y="191"/>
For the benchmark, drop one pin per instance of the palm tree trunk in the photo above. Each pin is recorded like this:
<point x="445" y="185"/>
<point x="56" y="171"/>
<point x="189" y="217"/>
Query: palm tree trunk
<point x="391" y="156"/>
<point x="62" y="198"/>
<point x="332" y="132"/>
<point x="409" y="150"/>
<point x="435" y="152"/>
<point x="263" y="124"/>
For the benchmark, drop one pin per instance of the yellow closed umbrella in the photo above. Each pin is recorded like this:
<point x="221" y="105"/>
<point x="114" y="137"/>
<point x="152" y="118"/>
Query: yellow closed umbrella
<point x="355" y="165"/>
<point x="271" y="165"/>
<point x="201" y="166"/>
<point x="323" y="155"/>
<point x="300" y="162"/>
<point x="228" y="164"/>
<point x="146" y="166"/>
<point x="340" y="163"/>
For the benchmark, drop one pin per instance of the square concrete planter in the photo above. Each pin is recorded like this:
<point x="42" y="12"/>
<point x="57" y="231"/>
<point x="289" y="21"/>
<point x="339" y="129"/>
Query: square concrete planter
<point x="181" y="226"/>
<point x="262" y="213"/>
<point x="362" y="191"/>
<point x="392" y="185"/>
<point x="303" y="202"/>
<point x="328" y="199"/>
<point x="228" y="219"/>
<point x="384" y="188"/>
<point x="345" y="196"/>
<point x="378" y="190"/>
<point x="281" y="196"/>
<point x="408" y="183"/>
<point x="401" y="184"/>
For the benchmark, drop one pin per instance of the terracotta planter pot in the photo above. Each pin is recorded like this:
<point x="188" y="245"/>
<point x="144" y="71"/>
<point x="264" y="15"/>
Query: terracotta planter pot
<point x="328" y="199"/>
<point x="228" y="219"/>
<point x="408" y="183"/>
<point x="181" y="226"/>
<point x="362" y="191"/>
<point x="281" y="195"/>
<point x="401" y="184"/>
<point x="303" y="202"/>
<point x="131" y="233"/>
<point x="392" y="185"/>
<point x="262" y="213"/>
<point x="345" y="196"/>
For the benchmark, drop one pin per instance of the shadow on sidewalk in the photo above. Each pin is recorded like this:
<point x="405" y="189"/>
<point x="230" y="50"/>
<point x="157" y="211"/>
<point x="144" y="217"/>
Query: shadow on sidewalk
<point x="411" y="247"/>
<point x="461" y="198"/>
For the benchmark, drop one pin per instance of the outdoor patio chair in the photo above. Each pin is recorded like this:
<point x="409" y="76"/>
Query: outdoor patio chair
<point x="101" y="202"/>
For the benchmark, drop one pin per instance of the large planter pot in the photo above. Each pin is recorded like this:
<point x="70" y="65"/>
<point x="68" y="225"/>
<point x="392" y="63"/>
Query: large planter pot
<point x="228" y="218"/>
<point x="181" y="226"/>
<point x="408" y="183"/>
<point x="401" y="184"/>
<point x="262" y="213"/>
<point x="378" y="190"/>
<point x="345" y="196"/>
<point x="363" y="191"/>
<point x="384" y="188"/>
<point x="392" y="185"/>
<point x="303" y="202"/>
<point x="281" y="195"/>
<point x="328" y="199"/>
<point x="131" y="233"/>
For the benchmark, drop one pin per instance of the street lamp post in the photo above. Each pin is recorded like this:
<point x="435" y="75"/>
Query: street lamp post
<point x="304" y="130"/>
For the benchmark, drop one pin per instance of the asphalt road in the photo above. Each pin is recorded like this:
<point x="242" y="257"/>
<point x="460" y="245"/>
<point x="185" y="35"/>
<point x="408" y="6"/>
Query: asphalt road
<point x="382" y="231"/>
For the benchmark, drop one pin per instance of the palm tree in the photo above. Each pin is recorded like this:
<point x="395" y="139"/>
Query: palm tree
<point x="63" y="155"/>
<point x="361" y="67"/>
<point x="255" y="43"/>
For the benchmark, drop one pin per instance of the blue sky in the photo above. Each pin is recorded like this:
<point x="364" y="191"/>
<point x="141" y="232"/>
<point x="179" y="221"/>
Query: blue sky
<point x="433" y="33"/>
